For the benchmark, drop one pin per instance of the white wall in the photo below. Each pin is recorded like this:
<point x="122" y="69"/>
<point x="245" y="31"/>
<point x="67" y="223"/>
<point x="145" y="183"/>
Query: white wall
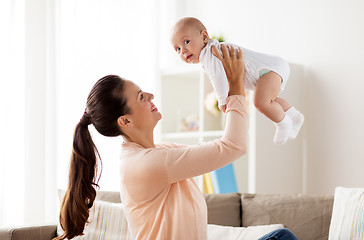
<point x="280" y="168"/>
<point x="325" y="38"/>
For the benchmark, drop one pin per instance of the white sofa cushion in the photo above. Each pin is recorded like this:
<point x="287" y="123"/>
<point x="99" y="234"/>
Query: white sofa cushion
<point x="347" y="221"/>
<point x="217" y="232"/>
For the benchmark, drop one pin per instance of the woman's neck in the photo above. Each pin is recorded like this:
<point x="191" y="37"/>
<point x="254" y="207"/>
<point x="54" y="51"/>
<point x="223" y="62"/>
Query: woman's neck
<point x="144" y="139"/>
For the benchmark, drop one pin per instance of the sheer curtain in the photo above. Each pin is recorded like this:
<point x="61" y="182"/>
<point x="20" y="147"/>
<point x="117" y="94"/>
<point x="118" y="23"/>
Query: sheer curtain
<point x="12" y="98"/>
<point x="27" y="160"/>
<point x="52" y="52"/>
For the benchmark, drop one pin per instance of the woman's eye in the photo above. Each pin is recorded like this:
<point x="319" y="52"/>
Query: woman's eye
<point x="187" y="41"/>
<point x="141" y="96"/>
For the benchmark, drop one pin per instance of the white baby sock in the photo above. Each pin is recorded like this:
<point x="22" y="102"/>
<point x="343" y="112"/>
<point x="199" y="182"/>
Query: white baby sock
<point x="297" y="121"/>
<point x="283" y="130"/>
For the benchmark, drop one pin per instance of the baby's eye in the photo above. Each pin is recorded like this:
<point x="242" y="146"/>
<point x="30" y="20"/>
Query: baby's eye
<point x="178" y="49"/>
<point x="187" y="41"/>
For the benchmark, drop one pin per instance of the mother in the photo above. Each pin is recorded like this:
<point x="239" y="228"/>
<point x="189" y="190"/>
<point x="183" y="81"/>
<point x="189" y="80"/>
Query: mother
<point x="160" y="198"/>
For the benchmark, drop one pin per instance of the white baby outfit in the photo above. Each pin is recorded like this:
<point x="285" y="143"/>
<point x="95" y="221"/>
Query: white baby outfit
<point x="253" y="61"/>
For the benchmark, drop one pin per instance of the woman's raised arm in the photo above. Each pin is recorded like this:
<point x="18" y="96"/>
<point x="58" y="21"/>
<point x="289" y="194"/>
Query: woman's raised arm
<point x="232" y="60"/>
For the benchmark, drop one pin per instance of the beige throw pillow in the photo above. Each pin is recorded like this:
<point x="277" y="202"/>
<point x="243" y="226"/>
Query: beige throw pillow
<point x="106" y="221"/>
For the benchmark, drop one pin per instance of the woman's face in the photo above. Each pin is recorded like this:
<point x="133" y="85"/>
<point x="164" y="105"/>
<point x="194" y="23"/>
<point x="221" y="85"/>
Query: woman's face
<point x="144" y="114"/>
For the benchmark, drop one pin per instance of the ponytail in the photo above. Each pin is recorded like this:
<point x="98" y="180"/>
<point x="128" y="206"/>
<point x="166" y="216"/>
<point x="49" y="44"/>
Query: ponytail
<point x="105" y="104"/>
<point x="81" y="193"/>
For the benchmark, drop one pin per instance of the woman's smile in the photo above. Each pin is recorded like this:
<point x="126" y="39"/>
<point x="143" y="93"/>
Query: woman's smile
<point x="154" y="108"/>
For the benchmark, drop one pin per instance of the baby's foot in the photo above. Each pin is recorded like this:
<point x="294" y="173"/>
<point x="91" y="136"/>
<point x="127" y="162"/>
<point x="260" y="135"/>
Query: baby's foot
<point x="283" y="130"/>
<point x="297" y="121"/>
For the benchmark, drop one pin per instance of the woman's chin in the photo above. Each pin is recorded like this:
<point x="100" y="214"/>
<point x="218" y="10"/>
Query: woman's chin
<point x="159" y="116"/>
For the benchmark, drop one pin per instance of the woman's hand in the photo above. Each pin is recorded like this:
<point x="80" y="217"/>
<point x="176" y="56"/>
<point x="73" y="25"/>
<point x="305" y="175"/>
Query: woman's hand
<point x="234" y="68"/>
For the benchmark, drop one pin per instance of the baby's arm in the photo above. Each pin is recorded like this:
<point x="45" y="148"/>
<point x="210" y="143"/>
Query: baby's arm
<point x="218" y="80"/>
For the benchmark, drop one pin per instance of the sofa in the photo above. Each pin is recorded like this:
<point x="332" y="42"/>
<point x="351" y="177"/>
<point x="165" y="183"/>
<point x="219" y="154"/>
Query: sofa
<point x="307" y="216"/>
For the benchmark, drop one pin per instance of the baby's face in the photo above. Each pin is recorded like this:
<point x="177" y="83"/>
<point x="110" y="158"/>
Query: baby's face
<point x="188" y="43"/>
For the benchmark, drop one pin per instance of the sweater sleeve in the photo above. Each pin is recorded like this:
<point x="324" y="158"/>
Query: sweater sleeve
<point x="190" y="161"/>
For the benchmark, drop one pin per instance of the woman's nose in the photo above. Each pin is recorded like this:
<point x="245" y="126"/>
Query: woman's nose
<point x="150" y="96"/>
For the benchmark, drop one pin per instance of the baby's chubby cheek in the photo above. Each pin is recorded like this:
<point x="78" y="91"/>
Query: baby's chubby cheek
<point x="196" y="58"/>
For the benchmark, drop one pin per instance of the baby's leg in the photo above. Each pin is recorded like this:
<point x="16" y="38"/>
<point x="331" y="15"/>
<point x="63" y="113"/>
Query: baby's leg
<point x="265" y="100"/>
<point x="295" y="115"/>
<point x="266" y="92"/>
<point x="284" y="104"/>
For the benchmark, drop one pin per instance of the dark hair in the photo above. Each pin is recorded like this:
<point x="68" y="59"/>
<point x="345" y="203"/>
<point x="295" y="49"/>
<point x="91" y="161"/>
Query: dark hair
<point x="105" y="104"/>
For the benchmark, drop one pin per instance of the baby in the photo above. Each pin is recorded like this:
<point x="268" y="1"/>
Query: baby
<point x="265" y="74"/>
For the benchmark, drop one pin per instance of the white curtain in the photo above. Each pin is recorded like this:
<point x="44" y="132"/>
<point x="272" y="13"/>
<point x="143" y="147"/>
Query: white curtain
<point x="52" y="52"/>
<point x="27" y="160"/>
<point x="12" y="99"/>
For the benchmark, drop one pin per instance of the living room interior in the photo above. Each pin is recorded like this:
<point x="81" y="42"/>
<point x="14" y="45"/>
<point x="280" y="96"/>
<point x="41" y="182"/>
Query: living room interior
<point x="54" y="51"/>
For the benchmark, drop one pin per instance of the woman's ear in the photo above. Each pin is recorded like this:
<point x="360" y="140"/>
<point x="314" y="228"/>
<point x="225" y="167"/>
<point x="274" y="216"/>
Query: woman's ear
<point x="124" y="122"/>
<point x="205" y="36"/>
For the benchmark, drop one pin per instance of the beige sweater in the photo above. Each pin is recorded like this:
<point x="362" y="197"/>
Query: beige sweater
<point x="160" y="197"/>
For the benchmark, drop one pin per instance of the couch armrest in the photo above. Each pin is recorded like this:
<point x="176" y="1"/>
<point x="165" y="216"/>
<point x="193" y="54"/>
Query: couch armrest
<point x="29" y="233"/>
